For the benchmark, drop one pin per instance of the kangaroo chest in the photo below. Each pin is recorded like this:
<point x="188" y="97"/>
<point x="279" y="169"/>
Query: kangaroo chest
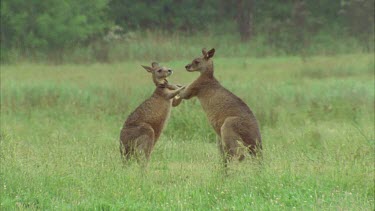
<point x="158" y="116"/>
<point x="154" y="111"/>
<point x="214" y="107"/>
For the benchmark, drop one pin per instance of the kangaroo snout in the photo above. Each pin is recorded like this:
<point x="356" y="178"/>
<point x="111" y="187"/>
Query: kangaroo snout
<point x="169" y="72"/>
<point x="188" y="67"/>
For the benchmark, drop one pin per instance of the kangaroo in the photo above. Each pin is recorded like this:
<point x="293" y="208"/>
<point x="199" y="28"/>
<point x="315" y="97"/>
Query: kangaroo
<point x="143" y="127"/>
<point x="229" y="116"/>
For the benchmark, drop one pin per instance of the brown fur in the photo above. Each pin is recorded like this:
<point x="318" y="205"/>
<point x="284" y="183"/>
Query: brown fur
<point x="230" y="117"/>
<point x="143" y="127"/>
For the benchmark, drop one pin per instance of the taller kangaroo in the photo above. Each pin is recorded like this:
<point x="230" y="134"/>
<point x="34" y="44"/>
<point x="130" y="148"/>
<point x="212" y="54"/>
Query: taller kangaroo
<point x="230" y="117"/>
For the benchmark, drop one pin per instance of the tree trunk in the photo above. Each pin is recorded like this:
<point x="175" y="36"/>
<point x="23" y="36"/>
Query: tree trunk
<point x="300" y="28"/>
<point x="245" y="10"/>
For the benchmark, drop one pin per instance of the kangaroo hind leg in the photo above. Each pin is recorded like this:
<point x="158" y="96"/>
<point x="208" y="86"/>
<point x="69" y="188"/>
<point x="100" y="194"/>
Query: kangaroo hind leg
<point x="138" y="142"/>
<point x="232" y="143"/>
<point x="251" y="137"/>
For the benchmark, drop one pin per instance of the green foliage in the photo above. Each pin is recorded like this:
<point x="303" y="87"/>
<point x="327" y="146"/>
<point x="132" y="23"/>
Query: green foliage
<point x="50" y="25"/>
<point x="159" y="45"/>
<point x="60" y="127"/>
<point x="167" y="15"/>
<point x="359" y="14"/>
<point x="77" y="31"/>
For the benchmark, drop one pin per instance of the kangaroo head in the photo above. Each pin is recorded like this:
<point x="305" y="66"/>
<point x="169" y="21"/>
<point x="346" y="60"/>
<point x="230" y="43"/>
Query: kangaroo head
<point x="159" y="74"/>
<point x="203" y="63"/>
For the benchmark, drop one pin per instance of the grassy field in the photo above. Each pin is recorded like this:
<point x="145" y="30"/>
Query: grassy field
<point x="60" y="127"/>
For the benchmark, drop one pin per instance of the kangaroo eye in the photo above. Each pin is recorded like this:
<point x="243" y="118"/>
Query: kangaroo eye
<point x="159" y="71"/>
<point x="196" y="62"/>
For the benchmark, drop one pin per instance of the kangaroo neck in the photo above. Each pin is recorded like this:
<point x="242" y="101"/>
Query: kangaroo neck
<point x="158" y="93"/>
<point x="159" y="82"/>
<point x="208" y="73"/>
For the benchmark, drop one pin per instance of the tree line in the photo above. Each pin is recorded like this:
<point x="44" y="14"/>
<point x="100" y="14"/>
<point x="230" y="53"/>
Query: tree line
<point x="52" y="26"/>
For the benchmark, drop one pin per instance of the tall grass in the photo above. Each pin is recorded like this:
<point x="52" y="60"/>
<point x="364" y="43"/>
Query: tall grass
<point x="60" y="127"/>
<point x="160" y="45"/>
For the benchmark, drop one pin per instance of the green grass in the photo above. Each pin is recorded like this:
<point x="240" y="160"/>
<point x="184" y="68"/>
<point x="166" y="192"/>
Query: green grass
<point x="60" y="128"/>
<point x="149" y="45"/>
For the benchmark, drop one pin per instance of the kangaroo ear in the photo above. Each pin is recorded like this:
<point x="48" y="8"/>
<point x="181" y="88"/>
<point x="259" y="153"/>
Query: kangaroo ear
<point x="204" y="52"/>
<point x="210" y="53"/>
<point x="149" y="69"/>
<point x="155" y="65"/>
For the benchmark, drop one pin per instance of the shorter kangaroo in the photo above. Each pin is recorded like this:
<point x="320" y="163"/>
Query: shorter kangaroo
<point x="230" y="117"/>
<point x="143" y="127"/>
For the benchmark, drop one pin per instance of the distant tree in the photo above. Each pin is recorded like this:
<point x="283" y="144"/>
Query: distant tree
<point x="299" y="27"/>
<point x="272" y="20"/>
<point x="359" y="19"/>
<point x="169" y="15"/>
<point x="245" y="21"/>
<point x="50" y="25"/>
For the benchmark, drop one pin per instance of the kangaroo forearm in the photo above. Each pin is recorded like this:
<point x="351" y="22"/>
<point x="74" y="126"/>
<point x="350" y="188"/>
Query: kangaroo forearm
<point x="176" y="101"/>
<point x="174" y="93"/>
<point x="172" y="87"/>
<point x="187" y="94"/>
